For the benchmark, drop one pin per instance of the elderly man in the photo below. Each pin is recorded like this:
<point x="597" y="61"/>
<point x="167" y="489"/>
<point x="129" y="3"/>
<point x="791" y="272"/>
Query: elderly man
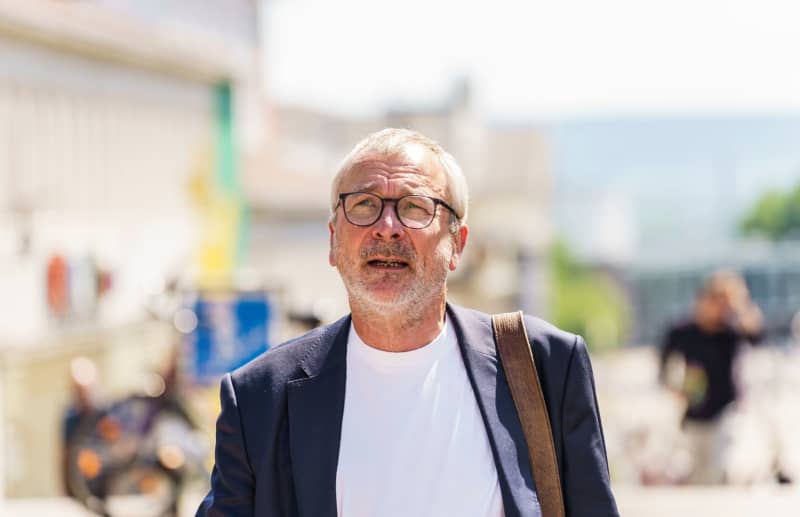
<point x="401" y="408"/>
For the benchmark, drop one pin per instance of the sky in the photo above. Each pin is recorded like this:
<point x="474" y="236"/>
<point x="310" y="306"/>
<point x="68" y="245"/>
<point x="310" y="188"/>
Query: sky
<point x="539" y="60"/>
<point x="671" y="189"/>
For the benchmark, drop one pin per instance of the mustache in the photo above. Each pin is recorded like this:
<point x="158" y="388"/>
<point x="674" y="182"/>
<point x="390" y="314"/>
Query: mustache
<point x="388" y="249"/>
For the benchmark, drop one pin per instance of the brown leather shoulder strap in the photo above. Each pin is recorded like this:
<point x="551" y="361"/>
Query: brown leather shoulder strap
<point x="519" y="364"/>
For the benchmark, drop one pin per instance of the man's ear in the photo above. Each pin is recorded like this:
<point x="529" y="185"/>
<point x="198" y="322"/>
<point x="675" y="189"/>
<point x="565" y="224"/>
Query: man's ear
<point x="331" y="257"/>
<point x="459" y="243"/>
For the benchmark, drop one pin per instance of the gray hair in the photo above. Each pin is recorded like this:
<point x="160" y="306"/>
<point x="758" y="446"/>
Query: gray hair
<point x="393" y="141"/>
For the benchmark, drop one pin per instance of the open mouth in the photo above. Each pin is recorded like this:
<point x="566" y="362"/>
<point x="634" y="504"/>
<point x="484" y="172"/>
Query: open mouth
<point x="388" y="264"/>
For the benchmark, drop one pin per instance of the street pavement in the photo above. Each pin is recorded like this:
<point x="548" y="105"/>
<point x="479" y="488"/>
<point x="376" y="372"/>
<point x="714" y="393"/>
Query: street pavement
<point x="65" y="507"/>
<point x="634" y="501"/>
<point x="772" y="501"/>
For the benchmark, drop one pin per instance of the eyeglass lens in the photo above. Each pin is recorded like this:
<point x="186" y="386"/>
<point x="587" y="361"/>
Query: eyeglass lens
<point x="364" y="209"/>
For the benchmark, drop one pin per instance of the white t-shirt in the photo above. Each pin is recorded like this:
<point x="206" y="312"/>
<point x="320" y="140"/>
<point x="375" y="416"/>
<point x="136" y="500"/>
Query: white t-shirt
<point x="413" y="440"/>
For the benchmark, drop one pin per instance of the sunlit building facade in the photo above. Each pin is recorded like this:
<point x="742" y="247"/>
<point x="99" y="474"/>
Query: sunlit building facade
<point x="119" y="157"/>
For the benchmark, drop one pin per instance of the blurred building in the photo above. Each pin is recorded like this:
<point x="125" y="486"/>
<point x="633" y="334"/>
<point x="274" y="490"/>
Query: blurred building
<point x="507" y="168"/>
<point x="123" y="126"/>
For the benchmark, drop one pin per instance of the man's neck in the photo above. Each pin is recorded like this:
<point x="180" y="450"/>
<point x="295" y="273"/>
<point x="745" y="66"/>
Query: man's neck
<point x="401" y="330"/>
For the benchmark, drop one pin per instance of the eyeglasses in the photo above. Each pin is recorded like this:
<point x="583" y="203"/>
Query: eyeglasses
<point x="364" y="208"/>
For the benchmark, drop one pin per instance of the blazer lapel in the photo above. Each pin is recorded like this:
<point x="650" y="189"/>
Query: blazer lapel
<point x="476" y="340"/>
<point x="315" y="405"/>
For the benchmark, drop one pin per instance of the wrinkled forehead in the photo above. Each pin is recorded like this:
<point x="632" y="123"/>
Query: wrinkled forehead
<point x="415" y="167"/>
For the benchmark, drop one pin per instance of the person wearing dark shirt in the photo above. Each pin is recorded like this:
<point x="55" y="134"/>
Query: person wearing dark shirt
<point x="697" y="362"/>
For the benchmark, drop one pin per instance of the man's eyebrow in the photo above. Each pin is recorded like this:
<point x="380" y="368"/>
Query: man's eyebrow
<point x="413" y="189"/>
<point x="405" y="192"/>
<point x="366" y="187"/>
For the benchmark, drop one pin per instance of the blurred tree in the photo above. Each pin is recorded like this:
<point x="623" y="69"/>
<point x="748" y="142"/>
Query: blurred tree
<point x="586" y="302"/>
<point x="776" y="216"/>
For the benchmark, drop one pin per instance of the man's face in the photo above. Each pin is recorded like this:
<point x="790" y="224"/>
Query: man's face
<point x="386" y="264"/>
<point x="715" y="306"/>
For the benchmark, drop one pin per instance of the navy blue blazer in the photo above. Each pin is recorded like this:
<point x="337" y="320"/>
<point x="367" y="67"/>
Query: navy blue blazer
<point x="278" y="431"/>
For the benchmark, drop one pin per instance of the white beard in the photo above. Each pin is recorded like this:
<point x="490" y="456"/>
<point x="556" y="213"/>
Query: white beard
<point x="427" y="286"/>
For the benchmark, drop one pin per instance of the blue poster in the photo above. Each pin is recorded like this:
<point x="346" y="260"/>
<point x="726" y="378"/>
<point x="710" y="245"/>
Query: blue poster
<point x="232" y="328"/>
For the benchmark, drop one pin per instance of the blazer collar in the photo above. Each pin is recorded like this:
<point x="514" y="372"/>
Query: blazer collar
<point x="507" y="440"/>
<point x="329" y="350"/>
<point x="315" y="406"/>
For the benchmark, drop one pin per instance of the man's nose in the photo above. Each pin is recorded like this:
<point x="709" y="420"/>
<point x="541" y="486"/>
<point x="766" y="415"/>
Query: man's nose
<point x="388" y="225"/>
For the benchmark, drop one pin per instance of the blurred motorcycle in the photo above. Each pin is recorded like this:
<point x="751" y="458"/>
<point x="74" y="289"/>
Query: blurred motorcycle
<point x="133" y="456"/>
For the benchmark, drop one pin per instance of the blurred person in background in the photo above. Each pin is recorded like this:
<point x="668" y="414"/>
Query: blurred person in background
<point x="401" y="408"/>
<point x="698" y="363"/>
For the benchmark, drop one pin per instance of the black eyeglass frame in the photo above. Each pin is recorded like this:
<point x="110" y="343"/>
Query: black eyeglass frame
<point x="395" y="200"/>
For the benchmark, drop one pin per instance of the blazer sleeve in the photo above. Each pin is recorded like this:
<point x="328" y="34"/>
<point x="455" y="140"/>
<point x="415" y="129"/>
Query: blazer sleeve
<point x="587" y="486"/>
<point x="232" y="482"/>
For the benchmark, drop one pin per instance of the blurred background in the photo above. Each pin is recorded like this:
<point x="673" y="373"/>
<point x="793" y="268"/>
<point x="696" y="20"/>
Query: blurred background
<point x="164" y="186"/>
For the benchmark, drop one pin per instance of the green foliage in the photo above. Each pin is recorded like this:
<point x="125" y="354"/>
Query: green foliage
<point x="586" y="302"/>
<point x="776" y="216"/>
